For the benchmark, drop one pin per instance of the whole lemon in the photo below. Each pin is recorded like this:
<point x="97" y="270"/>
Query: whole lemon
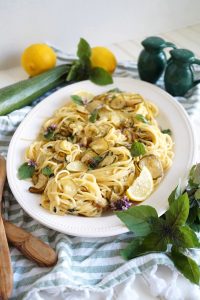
<point x="37" y="59"/>
<point x="103" y="58"/>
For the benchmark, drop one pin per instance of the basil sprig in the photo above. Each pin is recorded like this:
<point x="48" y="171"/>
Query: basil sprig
<point x="171" y="233"/>
<point x="81" y="69"/>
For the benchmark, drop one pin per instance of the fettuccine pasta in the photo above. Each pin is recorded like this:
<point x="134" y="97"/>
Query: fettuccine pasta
<point x="83" y="156"/>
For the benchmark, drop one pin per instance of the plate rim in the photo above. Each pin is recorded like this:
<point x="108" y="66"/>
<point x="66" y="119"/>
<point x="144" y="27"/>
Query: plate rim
<point x="120" y="227"/>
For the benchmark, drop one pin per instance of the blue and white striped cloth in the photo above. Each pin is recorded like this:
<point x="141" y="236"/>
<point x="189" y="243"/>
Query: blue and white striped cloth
<point x="85" y="265"/>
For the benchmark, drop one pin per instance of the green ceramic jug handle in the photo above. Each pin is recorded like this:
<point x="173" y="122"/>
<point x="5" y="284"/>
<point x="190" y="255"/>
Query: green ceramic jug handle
<point x="196" y="62"/>
<point x="169" y="45"/>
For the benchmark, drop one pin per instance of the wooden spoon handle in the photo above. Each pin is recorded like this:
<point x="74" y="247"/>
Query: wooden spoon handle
<point x="30" y="246"/>
<point x="6" y="274"/>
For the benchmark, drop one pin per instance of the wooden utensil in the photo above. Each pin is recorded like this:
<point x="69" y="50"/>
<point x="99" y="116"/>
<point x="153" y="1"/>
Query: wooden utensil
<point x="6" y="274"/>
<point x="29" y="245"/>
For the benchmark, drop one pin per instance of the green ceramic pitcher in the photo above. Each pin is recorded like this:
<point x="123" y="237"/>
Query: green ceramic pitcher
<point x="179" y="75"/>
<point x="152" y="60"/>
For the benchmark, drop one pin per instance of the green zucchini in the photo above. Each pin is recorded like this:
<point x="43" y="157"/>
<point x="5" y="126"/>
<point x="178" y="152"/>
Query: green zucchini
<point x="23" y="93"/>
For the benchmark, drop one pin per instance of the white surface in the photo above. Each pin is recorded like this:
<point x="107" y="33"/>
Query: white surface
<point x="172" y="116"/>
<point x="63" y="22"/>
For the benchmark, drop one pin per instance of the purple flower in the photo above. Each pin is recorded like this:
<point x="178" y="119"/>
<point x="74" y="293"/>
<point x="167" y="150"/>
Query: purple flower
<point x="31" y="163"/>
<point x="51" y="127"/>
<point x="121" y="204"/>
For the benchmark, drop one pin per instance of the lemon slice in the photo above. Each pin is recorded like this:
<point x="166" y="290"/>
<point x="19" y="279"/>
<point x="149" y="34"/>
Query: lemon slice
<point x="142" y="187"/>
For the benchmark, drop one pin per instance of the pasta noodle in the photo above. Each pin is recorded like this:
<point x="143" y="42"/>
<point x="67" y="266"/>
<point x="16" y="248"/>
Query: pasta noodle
<point x="82" y="156"/>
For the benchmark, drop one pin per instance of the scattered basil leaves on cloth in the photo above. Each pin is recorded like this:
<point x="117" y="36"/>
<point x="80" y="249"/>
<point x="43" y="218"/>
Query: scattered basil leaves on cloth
<point x="172" y="233"/>
<point x="81" y="69"/>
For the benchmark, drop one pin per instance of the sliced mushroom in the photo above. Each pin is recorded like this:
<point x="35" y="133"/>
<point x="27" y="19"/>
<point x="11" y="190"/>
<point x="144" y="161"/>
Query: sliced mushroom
<point x="69" y="187"/>
<point x="133" y="100"/>
<point x="40" y="185"/>
<point x="108" y="160"/>
<point x="82" y="110"/>
<point x="117" y="102"/>
<point x="100" y="145"/>
<point x="88" y="155"/>
<point x="77" y="166"/>
<point x="153" y="164"/>
<point x="93" y="105"/>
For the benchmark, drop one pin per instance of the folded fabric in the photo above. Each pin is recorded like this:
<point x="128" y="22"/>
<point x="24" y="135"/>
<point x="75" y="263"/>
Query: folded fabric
<point x="85" y="265"/>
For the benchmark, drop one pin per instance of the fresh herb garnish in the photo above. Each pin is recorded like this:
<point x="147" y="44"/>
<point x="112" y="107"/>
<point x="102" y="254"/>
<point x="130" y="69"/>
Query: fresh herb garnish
<point x="49" y="133"/>
<point x="193" y="190"/>
<point x="115" y="90"/>
<point x="94" y="162"/>
<point x="77" y="99"/>
<point x="137" y="149"/>
<point x="141" y="118"/>
<point x="169" y="233"/>
<point x="100" y="76"/>
<point x="47" y="171"/>
<point x="81" y="69"/>
<point x="120" y="204"/>
<point x="26" y="170"/>
<point x="94" y="116"/>
<point x="167" y="131"/>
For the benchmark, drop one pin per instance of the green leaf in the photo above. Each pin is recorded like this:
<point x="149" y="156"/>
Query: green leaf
<point x="141" y="118"/>
<point x="94" y="116"/>
<point x="185" y="237"/>
<point x="195" y="174"/>
<point x="197" y="194"/>
<point x="154" y="242"/>
<point x="175" y="194"/>
<point x="100" y="76"/>
<point x="77" y="99"/>
<point x="137" y="149"/>
<point x="187" y="266"/>
<point x="47" y="171"/>
<point x="195" y="227"/>
<point x="133" y="249"/>
<point x="26" y="171"/>
<point x="138" y="218"/>
<point x="74" y="71"/>
<point x="178" y="211"/>
<point x="115" y="90"/>
<point x="95" y="161"/>
<point x="167" y="131"/>
<point x="193" y="214"/>
<point x="49" y="135"/>
<point x="84" y="50"/>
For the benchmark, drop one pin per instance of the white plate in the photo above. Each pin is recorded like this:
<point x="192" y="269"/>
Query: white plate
<point x="172" y="116"/>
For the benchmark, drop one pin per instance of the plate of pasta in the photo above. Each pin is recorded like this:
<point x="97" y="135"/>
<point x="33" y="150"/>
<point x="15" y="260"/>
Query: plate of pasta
<point x="87" y="150"/>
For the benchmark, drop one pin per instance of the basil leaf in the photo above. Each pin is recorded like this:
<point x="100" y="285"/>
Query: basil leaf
<point x="141" y="118"/>
<point x="137" y="218"/>
<point x="100" y="76"/>
<point x="185" y="237"/>
<point x="49" y="135"/>
<point x="133" y="249"/>
<point x="95" y="161"/>
<point x="195" y="174"/>
<point x="47" y="171"/>
<point x="154" y="242"/>
<point x="26" y="171"/>
<point x="77" y="99"/>
<point x="115" y="90"/>
<point x="197" y="194"/>
<point x="94" y="115"/>
<point x="195" y="227"/>
<point x="167" y="131"/>
<point x="175" y="194"/>
<point x="74" y="71"/>
<point x="187" y="266"/>
<point x="178" y="211"/>
<point x="137" y="149"/>
<point x="84" y="50"/>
